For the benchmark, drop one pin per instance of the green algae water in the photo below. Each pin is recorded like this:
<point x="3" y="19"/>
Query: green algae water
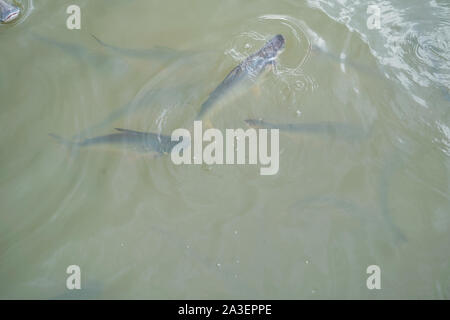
<point x="364" y="135"/>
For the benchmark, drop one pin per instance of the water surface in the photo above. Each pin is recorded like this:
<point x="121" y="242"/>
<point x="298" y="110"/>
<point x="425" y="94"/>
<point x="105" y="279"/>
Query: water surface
<point x="146" y="228"/>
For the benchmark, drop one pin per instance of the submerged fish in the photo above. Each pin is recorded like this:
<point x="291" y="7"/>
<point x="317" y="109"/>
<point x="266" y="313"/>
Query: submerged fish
<point x="392" y="164"/>
<point x="75" y="50"/>
<point x="141" y="142"/>
<point x="445" y="93"/>
<point x="155" y="53"/>
<point x="8" y="12"/>
<point x="335" y="129"/>
<point x="244" y="75"/>
<point x="173" y="85"/>
<point x="96" y="56"/>
<point x="145" y="100"/>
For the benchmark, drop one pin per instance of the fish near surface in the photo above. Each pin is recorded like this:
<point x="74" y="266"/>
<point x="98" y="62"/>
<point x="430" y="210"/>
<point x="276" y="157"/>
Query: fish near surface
<point x="140" y="142"/>
<point x="333" y="129"/>
<point x="245" y="74"/>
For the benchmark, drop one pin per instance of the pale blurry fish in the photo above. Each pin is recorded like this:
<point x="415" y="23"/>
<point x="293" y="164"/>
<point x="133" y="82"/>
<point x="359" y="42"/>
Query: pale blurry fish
<point x="155" y="53"/>
<point x="334" y="129"/>
<point x="172" y="94"/>
<point x="392" y="164"/>
<point x="137" y="141"/>
<point x="245" y="74"/>
<point x="445" y="93"/>
<point x="97" y="56"/>
<point x="152" y="93"/>
<point x="8" y="12"/>
<point x="75" y="50"/>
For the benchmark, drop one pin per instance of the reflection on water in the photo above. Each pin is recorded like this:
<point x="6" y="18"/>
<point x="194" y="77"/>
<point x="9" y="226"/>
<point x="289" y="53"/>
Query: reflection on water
<point x="364" y="151"/>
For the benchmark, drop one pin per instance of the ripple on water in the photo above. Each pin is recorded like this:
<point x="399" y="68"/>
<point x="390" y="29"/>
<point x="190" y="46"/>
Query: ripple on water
<point x="430" y="53"/>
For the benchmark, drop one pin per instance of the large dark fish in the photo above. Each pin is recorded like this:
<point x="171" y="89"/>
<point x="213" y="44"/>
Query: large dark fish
<point x="8" y="12"/>
<point x="334" y="129"/>
<point x="140" y="142"/>
<point x="244" y="75"/>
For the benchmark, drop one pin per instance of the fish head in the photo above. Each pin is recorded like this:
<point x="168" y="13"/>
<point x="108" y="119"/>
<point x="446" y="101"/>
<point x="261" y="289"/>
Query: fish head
<point x="8" y="12"/>
<point x="265" y="57"/>
<point x="273" y="47"/>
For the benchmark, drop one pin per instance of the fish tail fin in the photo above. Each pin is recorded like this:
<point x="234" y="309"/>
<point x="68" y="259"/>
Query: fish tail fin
<point x="102" y="43"/>
<point x="71" y="146"/>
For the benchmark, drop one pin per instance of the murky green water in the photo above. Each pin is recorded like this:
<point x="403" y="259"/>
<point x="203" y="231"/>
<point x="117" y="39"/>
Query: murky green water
<point x="140" y="227"/>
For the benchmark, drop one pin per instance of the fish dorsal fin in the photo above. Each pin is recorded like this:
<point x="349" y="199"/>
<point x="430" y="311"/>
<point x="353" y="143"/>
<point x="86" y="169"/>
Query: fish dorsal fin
<point x="227" y="81"/>
<point x="232" y="75"/>
<point x="129" y="131"/>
